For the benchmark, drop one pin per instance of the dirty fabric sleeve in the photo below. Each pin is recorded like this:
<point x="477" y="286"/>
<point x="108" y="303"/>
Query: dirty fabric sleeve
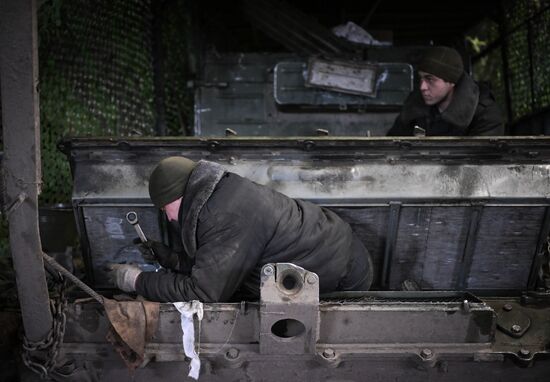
<point x="229" y="251"/>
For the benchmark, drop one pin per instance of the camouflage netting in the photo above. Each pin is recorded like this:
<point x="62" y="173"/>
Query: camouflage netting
<point x="541" y="56"/>
<point x="528" y="52"/>
<point x="96" y="78"/>
<point x="518" y="73"/>
<point x="178" y="97"/>
<point x="489" y="67"/>
<point x="527" y="31"/>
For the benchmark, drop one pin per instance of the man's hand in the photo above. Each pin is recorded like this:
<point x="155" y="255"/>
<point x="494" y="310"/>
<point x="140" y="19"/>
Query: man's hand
<point x="124" y="276"/>
<point x="156" y="251"/>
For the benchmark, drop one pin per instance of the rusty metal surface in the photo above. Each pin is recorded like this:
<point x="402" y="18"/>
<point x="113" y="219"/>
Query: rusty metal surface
<point x="289" y="310"/>
<point x="525" y="342"/>
<point x="133" y="324"/>
<point x="472" y="321"/>
<point x="346" y="327"/>
<point x="441" y="334"/>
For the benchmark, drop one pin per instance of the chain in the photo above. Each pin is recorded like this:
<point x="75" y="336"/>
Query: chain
<point x="43" y="365"/>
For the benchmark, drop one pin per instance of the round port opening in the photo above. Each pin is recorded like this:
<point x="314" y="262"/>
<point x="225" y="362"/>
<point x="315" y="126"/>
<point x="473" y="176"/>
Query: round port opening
<point x="290" y="282"/>
<point x="288" y="328"/>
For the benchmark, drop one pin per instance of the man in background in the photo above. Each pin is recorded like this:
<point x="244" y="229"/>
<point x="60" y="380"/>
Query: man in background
<point x="448" y="101"/>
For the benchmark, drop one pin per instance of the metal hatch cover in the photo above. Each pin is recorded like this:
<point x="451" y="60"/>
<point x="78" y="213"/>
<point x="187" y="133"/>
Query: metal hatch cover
<point x="446" y="213"/>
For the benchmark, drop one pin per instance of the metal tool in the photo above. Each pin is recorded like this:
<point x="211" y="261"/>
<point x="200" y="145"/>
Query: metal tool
<point x="132" y="218"/>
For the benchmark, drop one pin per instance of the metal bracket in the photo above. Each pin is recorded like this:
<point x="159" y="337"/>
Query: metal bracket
<point x="512" y="321"/>
<point x="541" y="297"/>
<point x="289" y="310"/>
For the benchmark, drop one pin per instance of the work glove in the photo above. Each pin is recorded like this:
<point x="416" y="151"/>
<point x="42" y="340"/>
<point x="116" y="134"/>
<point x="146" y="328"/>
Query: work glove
<point x="124" y="276"/>
<point x="152" y="251"/>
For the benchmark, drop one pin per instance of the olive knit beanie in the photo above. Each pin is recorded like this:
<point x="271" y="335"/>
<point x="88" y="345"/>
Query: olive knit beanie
<point x="169" y="179"/>
<point x="442" y="62"/>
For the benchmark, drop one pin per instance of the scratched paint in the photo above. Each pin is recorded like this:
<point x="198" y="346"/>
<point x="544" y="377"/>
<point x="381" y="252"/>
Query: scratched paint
<point x="113" y="227"/>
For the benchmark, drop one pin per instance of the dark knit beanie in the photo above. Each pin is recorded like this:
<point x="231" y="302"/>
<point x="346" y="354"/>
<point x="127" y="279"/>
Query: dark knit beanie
<point x="169" y="179"/>
<point x="442" y="62"/>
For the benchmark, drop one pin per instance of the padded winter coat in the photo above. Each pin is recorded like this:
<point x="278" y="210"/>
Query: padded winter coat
<point x="472" y="111"/>
<point x="231" y="227"/>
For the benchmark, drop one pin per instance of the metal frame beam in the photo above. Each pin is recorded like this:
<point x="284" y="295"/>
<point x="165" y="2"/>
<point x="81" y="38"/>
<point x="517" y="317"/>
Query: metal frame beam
<point x="21" y="121"/>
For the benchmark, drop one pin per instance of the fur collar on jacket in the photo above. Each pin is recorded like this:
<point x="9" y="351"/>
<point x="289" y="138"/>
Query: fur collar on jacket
<point x="202" y="182"/>
<point x="460" y="111"/>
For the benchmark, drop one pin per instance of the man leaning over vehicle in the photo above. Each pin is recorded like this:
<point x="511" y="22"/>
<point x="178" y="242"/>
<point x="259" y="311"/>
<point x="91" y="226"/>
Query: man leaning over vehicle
<point x="230" y="227"/>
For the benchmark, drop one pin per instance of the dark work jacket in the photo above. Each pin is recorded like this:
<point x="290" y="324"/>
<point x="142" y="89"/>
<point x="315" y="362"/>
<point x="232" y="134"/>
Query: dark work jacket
<point x="232" y="226"/>
<point x="472" y="111"/>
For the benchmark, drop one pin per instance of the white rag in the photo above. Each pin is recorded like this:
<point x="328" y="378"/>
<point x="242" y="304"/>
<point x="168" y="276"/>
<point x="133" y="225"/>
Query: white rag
<point x="187" y="310"/>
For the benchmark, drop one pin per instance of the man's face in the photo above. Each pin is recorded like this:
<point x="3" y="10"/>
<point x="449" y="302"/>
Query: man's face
<point x="172" y="210"/>
<point x="434" y="89"/>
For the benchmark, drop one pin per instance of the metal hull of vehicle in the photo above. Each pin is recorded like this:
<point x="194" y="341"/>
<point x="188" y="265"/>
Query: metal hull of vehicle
<point x="404" y="336"/>
<point x="466" y="220"/>
<point x="449" y="214"/>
